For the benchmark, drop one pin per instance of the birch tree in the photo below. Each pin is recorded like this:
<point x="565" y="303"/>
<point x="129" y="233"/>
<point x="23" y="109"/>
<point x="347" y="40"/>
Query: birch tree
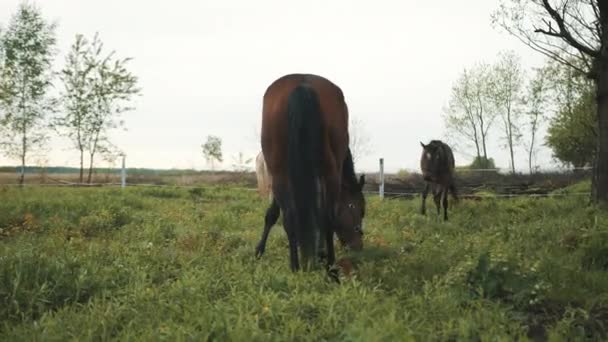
<point x="97" y="89"/>
<point x="26" y="76"/>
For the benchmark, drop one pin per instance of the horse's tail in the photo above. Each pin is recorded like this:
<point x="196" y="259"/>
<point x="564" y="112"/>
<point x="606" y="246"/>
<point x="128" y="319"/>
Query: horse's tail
<point x="304" y="164"/>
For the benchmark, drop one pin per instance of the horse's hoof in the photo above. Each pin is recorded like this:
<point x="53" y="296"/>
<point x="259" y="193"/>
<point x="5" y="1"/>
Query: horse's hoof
<point x="334" y="274"/>
<point x="259" y="251"/>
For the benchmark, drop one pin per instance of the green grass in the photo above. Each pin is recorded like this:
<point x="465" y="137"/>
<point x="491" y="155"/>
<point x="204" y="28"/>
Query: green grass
<point x="178" y="264"/>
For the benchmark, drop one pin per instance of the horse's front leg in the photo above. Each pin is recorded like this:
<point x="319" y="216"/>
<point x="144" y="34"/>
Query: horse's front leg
<point x="272" y="216"/>
<point x="425" y="193"/>
<point x="332" y="198"/>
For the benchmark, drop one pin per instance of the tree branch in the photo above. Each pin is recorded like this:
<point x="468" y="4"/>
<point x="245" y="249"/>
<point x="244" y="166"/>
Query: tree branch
<point x="548" y="33"/>
<point x="565" y="34"/>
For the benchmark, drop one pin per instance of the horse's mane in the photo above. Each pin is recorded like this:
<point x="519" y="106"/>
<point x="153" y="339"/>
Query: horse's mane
<point x="348" y="169"/>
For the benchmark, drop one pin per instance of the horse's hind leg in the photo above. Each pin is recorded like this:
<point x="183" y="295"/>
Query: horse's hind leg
<point x="425" y="193"/>
<point x="437" y="200"/>
<point x="272" y="216"/>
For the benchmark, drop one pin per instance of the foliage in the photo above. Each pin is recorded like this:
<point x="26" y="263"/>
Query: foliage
<point x="572" y="133"/>
<point x="77" y="96"/>
<point x="25" y="79"/>
<point x="572" y="33"/>
<point x="212" y="150"/>
<point x="108" y="93"/>
<point x="177" y="264"/>
<point x="480" y="163"/>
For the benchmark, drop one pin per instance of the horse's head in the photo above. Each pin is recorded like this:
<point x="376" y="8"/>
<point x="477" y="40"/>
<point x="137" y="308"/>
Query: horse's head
<point x="351" y="210"/>
<point x="430" y="161"/>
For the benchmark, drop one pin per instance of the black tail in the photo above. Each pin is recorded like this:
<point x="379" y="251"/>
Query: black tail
<point x="304" y="151"/>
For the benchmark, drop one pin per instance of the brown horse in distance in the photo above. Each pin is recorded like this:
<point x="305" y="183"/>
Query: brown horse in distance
<point x="305" y="142"/>
<point x="437" y="166"/>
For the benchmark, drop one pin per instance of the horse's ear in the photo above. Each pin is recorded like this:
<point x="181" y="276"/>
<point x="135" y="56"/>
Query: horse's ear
<point x="361" y="181"/>
<point x="422" y="144"/>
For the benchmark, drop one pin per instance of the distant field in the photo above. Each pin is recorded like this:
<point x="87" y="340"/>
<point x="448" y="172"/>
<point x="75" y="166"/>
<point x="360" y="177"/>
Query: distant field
<point x="177" y="264"/>
<point x="185" y="178"/>
<point x="469" y="182"/>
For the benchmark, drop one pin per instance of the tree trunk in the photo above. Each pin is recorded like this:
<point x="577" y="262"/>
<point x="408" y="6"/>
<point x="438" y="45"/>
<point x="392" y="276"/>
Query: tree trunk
<point x="531" y="153"/>
<point x="81" y="149"/>
<point x="511" y="147"/>
<point x="81" y="179"/>
<point x="485" y="151"/>
<point x="483" y="142"/>
<point x="476" y="141"/>
<point x="23" y="154"/>
<point x="601" y="166"/>
<point x="89" y="178"/>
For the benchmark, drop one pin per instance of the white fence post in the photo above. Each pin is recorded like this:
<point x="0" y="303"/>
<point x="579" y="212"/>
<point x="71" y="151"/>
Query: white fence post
<point x="381" y="178"/>
<point x="123" y="173"/>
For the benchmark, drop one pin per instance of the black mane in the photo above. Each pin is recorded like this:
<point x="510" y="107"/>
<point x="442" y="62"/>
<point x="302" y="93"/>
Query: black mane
<point x="348" y="169"/>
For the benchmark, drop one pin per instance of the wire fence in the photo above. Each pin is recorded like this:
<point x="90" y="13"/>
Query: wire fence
<point x="471" y="183"/>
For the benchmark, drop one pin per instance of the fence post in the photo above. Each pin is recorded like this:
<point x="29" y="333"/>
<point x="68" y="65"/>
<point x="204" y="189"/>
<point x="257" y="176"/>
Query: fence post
<point x="123" y="173"/>
<point x="381" y="178"/>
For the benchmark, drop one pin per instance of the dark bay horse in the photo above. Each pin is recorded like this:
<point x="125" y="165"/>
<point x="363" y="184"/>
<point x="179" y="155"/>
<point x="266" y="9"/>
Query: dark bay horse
<point x="437" y="166"/>
<point x="305" y="142"/>
<point x="351" y="210"/>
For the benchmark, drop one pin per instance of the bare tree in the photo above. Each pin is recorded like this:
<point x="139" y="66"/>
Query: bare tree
<point x="567" y="31"/>
<point x="240" y="163"/>
<point x="360" y="143"/>
<point x="470" y="111"/>
<point x="506" y="86"/>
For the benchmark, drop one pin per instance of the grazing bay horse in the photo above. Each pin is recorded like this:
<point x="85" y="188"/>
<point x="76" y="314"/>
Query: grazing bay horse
<point x="437" y="165"/>
<point x="351" y="209"/>
<point x="305" y="142"/>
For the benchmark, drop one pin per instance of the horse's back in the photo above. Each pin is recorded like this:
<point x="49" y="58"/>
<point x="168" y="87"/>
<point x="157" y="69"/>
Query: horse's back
<point x="332" y="107"/>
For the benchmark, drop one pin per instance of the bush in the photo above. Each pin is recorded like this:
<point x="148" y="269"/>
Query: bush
<point x="480" y="163"/>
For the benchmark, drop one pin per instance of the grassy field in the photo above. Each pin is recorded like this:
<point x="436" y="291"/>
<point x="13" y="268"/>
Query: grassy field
<point x="177" y="264"/>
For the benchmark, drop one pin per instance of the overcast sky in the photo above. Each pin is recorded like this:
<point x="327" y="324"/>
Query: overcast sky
<point x="204" y="66"/>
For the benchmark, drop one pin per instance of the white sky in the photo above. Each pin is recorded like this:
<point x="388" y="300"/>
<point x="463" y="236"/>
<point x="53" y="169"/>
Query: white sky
<point x="204" y="66"/>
